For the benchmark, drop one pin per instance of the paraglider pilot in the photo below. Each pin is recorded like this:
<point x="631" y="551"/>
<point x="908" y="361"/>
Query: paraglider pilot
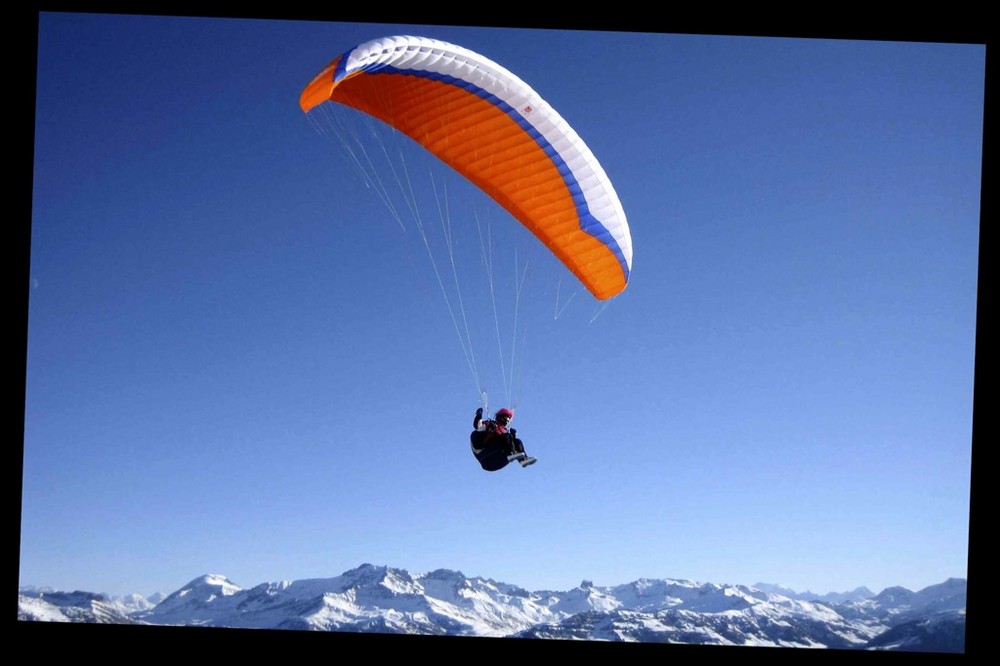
<point x="495" y="444"/>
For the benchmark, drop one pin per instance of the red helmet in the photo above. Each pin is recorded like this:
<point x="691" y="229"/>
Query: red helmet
<point x="506" y="413"/>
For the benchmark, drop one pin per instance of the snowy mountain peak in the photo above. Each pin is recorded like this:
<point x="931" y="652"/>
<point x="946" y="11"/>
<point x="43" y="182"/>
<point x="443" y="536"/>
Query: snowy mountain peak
<point x="210" y="585"/>
<point x="198" y="595"/>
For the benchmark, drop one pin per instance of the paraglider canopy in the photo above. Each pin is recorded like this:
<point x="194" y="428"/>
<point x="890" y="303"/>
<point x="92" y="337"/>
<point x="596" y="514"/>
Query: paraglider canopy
<point x="491" y="127"/>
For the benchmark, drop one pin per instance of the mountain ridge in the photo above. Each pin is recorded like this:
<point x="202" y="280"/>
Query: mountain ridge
<point x="383" y="599"/>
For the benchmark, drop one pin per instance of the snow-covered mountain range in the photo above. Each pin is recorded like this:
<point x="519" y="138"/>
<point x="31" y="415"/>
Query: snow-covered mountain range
<point x="386" y="600"/>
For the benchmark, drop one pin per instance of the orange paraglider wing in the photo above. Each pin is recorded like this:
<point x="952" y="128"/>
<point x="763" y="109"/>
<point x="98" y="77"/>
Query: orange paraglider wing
<point x="496" y="131"/>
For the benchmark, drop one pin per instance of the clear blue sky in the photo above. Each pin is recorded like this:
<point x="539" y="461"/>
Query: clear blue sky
<point x="238" y="364"/>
